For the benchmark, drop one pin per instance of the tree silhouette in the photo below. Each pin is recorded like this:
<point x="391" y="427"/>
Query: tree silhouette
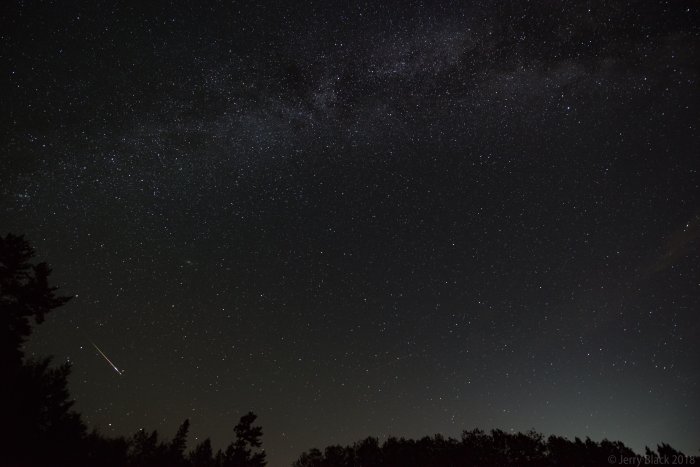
<point x="146" y="450"/>
<point x="24" y="294"/>
<point x="477" y="448"/>
<point x="104" y="451"/>
<point x="176" y="448"/>
<point x="37" y="405"/>
<point x="201" y="455"/>
<point x="244" y="451"/>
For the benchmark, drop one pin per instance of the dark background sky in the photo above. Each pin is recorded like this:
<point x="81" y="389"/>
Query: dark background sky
<point x="359" y="219"/>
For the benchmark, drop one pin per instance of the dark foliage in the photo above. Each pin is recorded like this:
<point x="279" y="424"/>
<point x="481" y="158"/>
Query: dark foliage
<point x="144" y="449"/>
<point x="24" y="295"/>
<point x="477" y="448"/>
<point x="244" y="451"/>
<point x="41" y="428"/>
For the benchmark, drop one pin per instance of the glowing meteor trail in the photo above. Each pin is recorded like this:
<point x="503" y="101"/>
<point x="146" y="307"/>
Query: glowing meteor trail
<point x="106" y="358"/>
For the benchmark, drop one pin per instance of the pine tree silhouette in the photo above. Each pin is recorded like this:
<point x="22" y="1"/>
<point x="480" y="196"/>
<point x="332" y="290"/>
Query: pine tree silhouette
<point x="201" y="455"/>
<point x="176" y="449"/>
<point x="37" y="406"/>
<point x="244" y="451"/>
<point x="25" y="294"/>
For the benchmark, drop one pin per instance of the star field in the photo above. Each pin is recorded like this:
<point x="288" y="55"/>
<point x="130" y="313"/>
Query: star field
<point x="362" y="219"/>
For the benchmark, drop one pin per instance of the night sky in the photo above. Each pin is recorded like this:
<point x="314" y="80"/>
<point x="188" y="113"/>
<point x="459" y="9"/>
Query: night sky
<point x="364" y="218"/>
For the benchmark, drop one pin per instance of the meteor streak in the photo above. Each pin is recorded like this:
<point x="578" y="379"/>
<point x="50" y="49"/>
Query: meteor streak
<point x="106" y="358"/>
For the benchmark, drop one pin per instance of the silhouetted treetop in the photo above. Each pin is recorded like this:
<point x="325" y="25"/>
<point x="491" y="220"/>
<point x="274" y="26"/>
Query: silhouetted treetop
<point x="478" y="448"/>
<point x="24" y="294"/>
<point x="244" y="451"/>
